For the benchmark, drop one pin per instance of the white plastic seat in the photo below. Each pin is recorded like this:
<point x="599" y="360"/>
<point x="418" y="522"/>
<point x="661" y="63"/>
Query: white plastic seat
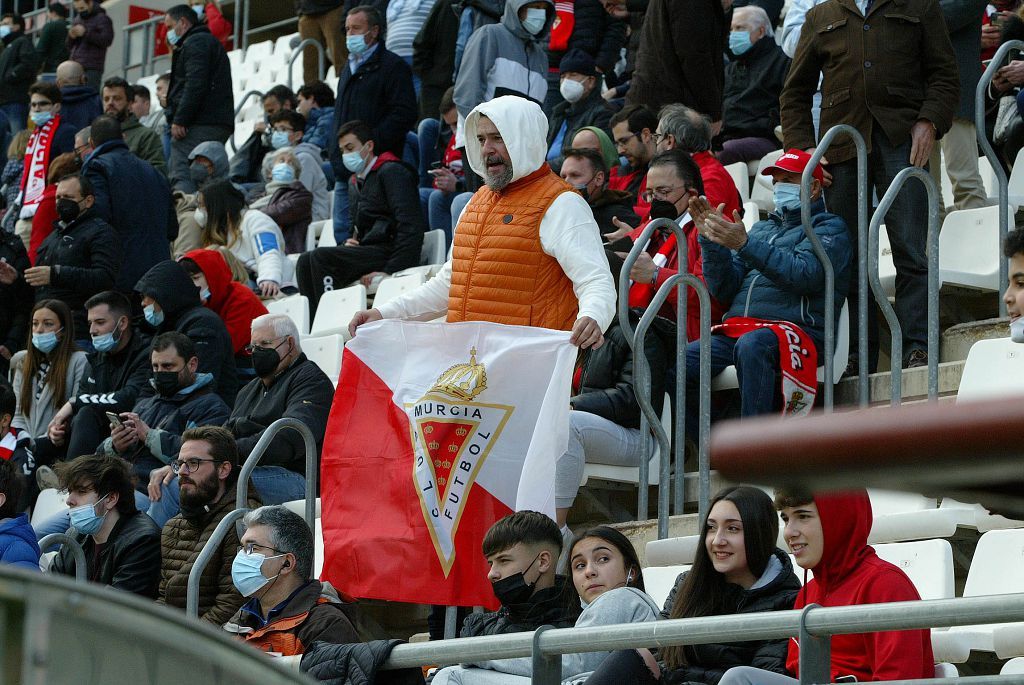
<point x="761" y="190"/>
<point x="659" y="580"/>
<point x="314" y="231"/>
<point x="672" y="551"/>
<point x="257" y="53"/>
<point x="928" y="564"/>
<point x="283" y="45"/>
<point x="945" y="670"/>
<point x="1013" y="667"/>
<point x="433" y="247"/>
<point x="993" y="369"/>
<point x="738" y="171"/>
<point x="984" y="521"/>
<point x="886" y="267"/>
<point x="336" y="309"/>
<point x="243" y="130"/>
<point x="751" y="214"/>
<point x="900" y="516"/>
<point x="49" y="502"/>
<point x="631" y="474"/>
<point x="729" y="380"/>
<point x="299" y="506"/>
<point x="327" y="237"/>
<point x="995" y="570"/>
<point x="325" y="351"/>
<point x="390" y="288"/>
<point x="295" y="307"/>
<point x="1015" y="187"/>
<point x="969" y="251"/>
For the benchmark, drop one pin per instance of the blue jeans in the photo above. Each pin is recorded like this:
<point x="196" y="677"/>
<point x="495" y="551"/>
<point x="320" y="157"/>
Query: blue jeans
<point x="459" y="203"/>
<point x="341" y="219"/>
<point x="411" y="150"/>
<point x="427" y="134"/>
<point x="17" y="116"/>
<point x="415" y="79"/>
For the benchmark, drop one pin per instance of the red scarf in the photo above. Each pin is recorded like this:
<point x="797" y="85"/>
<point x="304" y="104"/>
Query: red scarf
<point x="561" y="29"/>
<point x="641" y="294"/>
<point x="798" y="358"/>
<point x="37" y="161"/>
<point x="8" y="443"/>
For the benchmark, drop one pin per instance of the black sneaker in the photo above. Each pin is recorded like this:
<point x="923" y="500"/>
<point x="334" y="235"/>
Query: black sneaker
<point x="915" y="359"/>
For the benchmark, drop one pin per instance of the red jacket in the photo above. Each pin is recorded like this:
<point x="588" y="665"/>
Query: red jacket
<point x="718" y="184"/>
<point x="851" y="573"/>
<point x="233" y="302"/>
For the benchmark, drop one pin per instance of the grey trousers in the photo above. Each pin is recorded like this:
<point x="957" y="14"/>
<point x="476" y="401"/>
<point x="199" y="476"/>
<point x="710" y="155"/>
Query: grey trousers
<point x="748" y="675"/>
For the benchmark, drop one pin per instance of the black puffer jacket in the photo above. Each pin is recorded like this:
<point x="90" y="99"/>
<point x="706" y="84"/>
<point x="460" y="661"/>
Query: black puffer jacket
<point x="753" y="83"/>
<point x="84" y="258"/>
<point x="19" y="63"/>
<point x="611" y="204"/>
<point x="16" y="298"/>
<point x="200" y="90"/>
<point x="546" y="607"/>
<point x="433" y="56"/>
<point x="596" y="33"/>
<point x="356" y="664"/>
<point x="708" y="663"/>
<point x="605" y="385"/>
<point x="129" y="560"/>
<point x="593" y="110"/>
<point x="116" y="380"/>
<point x="178" y="297"/>
<point x="386" y="211"/>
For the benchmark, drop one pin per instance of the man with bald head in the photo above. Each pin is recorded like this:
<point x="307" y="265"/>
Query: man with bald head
<point x="80" y="102"/>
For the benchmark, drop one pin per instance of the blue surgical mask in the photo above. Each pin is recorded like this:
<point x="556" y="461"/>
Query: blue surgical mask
<point x="535" y="20"/>
<point x="45" y="342"/>
<point x="247" y="574"/>
<point x="787" y="196"/>
<point x="739" y="42"/>
<point x="353" y="161"/>
<point x="356" y="44"/>
<point x="623" y="162"/>
<point x="199" y="10"/>
<point x="204" y="294"/>
<point x="1017" y="330"/>
<point x="41" y="118"/>
<point x="85" y="519"/>
<point x="107" y="341"/>
<point x="282" y="173"/>
<point x="5" y="31"/>
<point x="173" y="37"/>
<point x="154" y="317"/>
<point x="279" y="139"/>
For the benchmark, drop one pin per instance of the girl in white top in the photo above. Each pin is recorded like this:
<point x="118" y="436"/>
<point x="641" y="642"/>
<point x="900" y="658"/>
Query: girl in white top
<point x="252" y="236"/>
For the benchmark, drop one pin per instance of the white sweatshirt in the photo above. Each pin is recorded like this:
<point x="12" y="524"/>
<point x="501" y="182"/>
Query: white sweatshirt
<point x="260" y="246"/>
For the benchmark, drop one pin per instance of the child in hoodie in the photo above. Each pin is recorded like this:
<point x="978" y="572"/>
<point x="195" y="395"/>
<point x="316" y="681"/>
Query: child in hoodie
<point x="17" y="539"/>
<point x="828" y="534"/>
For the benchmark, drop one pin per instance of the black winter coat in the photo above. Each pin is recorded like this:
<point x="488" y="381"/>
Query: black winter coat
<point x="596" y="33"/>
<point x="708" y="663"/>
<point x="316" y="6"/>
<point x="592" y="110"/>
<point x="546" y="607"/>
<point x="16" y="298"/>
<point x="79" y="105"/>
<point x="433" y="56"/>
<point x="356" y="664"/>
<point x="178" y="297"/>
<point x="380" y="93"/>
<point x="386" y="211"/>
<point x="84" y="259"/>
<point x="611" y="204"/>
<point x="200" y="93"/>
<point x="135" y="199"/>
<point x="129" y="560"/>
<point x="303" y="392"/>
<point x="605" y="386"/>
<point x="753" y="83"/>
<point x="115" y="381"/>
<point x="19" y="64"/>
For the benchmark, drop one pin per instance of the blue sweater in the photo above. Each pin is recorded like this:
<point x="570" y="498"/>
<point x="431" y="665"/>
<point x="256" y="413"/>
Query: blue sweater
<point x="18" y="543"/>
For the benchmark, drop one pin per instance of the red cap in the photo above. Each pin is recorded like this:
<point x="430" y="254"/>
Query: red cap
<point x="795" y="161"/>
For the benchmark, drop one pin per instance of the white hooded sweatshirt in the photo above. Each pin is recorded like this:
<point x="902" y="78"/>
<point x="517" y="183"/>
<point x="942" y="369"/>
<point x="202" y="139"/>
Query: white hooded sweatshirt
<point x="568" y="231"/>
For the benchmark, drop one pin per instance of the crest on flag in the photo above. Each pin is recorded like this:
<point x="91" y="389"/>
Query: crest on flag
<point x="452" y="435"/>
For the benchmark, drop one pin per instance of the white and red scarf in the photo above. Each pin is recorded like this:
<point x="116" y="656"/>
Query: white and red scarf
<point x="561" y="29"/>
<point x="8" y="443"/>
<point x="37" y="161"/>
<point x="798" y="358"/>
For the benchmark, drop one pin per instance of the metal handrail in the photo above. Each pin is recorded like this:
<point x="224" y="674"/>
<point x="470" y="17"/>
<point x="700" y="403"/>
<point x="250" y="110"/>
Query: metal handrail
<point x="238" y="108"/>
<point x="245" y="473"/>
<point x="297" y="52"/>
<point x="205" y="554"/>
<point x="148" y="44"/>
<point x="990" y="153"/>
<point x="895" y="329"/>
<point x="54" y="539"/>
<point x="642" y="380"/>
<point x="822" y="622"/>
<point x="826" y="263"/>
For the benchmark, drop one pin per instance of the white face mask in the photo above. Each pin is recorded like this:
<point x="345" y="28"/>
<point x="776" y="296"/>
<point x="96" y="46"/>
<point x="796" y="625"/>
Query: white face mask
<point x="1017" y="330"/>
<point x="200" y="217"/>
<point x="571" y="90"/>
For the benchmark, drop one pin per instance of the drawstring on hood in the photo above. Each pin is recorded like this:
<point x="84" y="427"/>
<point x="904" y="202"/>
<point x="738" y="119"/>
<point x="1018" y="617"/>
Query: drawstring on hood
<point x="523" y="128"/>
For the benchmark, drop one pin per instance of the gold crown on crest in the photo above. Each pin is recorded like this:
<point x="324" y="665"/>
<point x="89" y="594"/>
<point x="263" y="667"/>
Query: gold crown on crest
<point x="463" y="381"/>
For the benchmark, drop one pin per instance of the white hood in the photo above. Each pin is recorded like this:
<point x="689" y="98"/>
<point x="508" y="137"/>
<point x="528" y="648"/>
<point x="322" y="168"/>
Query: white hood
<point x="522" y="126"/>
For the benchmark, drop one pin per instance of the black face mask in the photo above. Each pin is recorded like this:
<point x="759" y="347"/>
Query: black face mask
<point x="514" y="589"/>
<point x="663" y="209"/>
<point x="265" y="361"/>
<point x="198" y="173"/>
<point x="67" y="210"/>
<point x="166" y="383"/>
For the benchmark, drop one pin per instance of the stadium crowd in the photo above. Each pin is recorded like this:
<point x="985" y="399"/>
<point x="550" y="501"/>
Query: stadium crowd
<point x="139" y="365"/>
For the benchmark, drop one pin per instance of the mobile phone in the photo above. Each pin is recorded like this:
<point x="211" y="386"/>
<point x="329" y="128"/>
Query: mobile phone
<point x="435" y="165"/>
<point x="113" y="418"/>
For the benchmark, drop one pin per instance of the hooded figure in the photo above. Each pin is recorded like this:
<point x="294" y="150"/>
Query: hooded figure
<point x="178" y="298"/>
<point x="849" y="573"/>
<point x="558" y="278"/>
<point x="185" y="204"/>
<point x="232" y="301"/>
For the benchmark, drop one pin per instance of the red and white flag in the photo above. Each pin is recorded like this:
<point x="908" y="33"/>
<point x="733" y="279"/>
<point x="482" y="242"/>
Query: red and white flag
<point x="438" y="430"/>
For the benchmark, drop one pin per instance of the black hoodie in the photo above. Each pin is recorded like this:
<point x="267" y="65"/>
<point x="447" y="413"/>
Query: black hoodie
<point x="178" y="297"/>
<point x="545" y="607"/>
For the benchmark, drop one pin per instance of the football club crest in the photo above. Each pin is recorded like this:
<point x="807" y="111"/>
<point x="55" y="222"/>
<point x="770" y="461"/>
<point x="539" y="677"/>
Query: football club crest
<point x="452" y="435"/>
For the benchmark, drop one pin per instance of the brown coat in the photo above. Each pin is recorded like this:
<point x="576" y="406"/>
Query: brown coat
<point x="894" y="67"/>
<point x="500" y="272"/>
<point x="181" y="542"/>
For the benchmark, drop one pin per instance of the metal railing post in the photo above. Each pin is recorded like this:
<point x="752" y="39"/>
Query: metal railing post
<point x="298" y="51"/>
<point x="451" y="620"/>
<point x="547" y="668"/>
<point x="54" y="539"/>
<point x="815" y="653"/>
<point x="245" y="29"/>
<point x="209" y="549"/>
<point x="826" y="263"/>
<point x="245" y="473"/>
<point x="895" y="329"/>
<point x="241" y="103"/>
<point x="990" y="154"/>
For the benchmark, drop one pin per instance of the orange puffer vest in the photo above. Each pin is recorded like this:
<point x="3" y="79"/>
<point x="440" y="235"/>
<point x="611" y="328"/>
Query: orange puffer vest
<point x="500" y="271"/>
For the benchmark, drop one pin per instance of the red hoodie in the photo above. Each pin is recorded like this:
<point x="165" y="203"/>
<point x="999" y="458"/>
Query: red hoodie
<point x="851" y="573"/>
<point x="234" y="303"/>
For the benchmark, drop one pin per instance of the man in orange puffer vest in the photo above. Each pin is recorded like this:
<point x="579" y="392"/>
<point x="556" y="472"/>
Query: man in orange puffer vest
<point x="527" y="250"/>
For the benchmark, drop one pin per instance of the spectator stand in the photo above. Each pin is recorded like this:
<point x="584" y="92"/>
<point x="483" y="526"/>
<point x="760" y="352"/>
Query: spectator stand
<point x="56" y="539"/>
<point x="650" y="422"/>
<point x="297" y="52"/>
<point x="244" y="474"/>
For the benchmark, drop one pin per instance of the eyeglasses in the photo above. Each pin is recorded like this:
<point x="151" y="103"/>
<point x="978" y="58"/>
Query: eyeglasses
<point x="265" y="345"/>
<point x="622" y="142"/>
<point x="659" y="193"/>
<point x="249" y="547"/>
<point x="187" y="465"/>
<point x="39" y="104"/>
<point x="658" y="137"/>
